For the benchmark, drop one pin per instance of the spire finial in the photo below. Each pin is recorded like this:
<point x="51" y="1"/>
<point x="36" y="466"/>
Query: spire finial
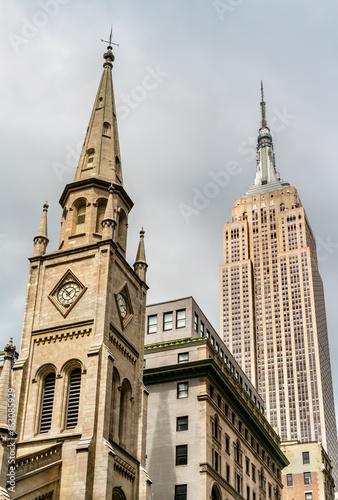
<point x="140" y="265"/>
<point x="41" y="239"/>
<point x="263" y="111"/>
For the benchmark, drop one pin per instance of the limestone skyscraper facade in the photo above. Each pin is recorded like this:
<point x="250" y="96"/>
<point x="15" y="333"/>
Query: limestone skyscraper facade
<point x="272" y="304"/>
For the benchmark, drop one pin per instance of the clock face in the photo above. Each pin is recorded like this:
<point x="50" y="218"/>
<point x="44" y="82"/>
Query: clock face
<point x="68" y="293"/>
<point x="122" y="305"/>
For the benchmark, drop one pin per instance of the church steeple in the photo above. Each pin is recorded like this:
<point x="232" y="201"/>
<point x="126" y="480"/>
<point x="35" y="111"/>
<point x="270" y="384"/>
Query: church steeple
<point x="84" y="201"/>
<point x="100" y="155"/>
<point x="267" y="178"/>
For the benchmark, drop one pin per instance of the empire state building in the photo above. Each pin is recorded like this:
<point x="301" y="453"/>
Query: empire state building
<point x="272" y="304"/>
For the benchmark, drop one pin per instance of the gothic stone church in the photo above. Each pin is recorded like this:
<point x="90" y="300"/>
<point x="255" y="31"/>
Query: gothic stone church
<point x="81" y="402"/>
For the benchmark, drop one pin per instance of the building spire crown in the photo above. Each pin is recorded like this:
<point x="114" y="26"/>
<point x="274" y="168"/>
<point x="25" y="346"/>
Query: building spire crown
<point x="267" y="178"/>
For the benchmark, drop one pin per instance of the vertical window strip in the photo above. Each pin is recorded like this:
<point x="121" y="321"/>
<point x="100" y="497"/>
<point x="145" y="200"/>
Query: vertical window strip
<point x="73" y="399"/>
<point x="47" y="403"/>
<point x="80" y="219"/>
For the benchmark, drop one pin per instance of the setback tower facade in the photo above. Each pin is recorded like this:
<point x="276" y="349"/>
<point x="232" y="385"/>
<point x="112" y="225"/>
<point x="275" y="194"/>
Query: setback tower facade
<point x="272" y="305"/>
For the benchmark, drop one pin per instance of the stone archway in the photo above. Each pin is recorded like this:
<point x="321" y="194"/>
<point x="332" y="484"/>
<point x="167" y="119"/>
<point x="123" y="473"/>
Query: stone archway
<point x="215" y="493"/>
<point x="118" y="494"/>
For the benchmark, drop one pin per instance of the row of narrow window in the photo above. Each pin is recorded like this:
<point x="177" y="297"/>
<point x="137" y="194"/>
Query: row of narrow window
<point x="73" y="401"/>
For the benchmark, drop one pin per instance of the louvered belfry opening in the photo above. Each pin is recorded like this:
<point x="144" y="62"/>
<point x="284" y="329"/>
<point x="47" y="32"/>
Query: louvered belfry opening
<point x="47" y="403"/>
<point x="73" y="399"/>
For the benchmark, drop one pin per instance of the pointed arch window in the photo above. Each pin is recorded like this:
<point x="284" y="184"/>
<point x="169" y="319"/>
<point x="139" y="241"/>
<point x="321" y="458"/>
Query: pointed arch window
<point x="73" y="399"/>
<point x="47" y="403"/>
<point x="106" y="128"/>
<point x="80" y="218"/>
<point x="101" y="209"/>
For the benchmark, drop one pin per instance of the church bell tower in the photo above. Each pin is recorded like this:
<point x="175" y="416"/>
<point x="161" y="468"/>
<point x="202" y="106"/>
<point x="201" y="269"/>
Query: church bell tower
<point x="81" y="417"/>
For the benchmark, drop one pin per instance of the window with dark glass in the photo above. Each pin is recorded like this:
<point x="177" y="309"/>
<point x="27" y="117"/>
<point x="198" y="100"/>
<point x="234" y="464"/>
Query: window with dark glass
<point x="152" y="323"/>
<point x="182" y="454"/>
<point x="180" y="318"/>
<point x="307" y="477"/>
<point x="182" y="423"/>
<point x="227" y="476"/>
<point x="180" y="492"/>
<point x="306" y="457"/>
<point x="196" y="322"/>
<point x="202" y="329"/>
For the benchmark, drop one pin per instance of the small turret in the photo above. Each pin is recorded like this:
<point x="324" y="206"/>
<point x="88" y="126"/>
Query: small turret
<point x="140" y="265"/>
<point x="108" y="222"/>
<point x="41" y="239"/>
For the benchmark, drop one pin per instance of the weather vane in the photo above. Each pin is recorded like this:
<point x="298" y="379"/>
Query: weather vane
<point x="110" y="38"/>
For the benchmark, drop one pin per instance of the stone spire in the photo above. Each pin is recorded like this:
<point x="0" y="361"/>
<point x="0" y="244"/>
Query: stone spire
<point x="108" y="222"/>
<point x="140" y="265"/>
<point x="41" y="239"/>
<point x="100" y="156"/>
<point x="267" y="178"/>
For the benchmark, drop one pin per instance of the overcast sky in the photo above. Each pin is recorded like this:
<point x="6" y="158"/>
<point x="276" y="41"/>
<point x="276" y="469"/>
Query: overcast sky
<point x="187" y="80"/>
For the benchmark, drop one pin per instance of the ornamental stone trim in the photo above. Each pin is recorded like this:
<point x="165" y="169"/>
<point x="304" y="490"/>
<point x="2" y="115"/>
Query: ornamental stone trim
<point x="125" y="469"/>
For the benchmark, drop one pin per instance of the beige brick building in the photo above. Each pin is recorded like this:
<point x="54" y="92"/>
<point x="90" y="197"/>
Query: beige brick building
<point x="81" y="402"/>
<point x="272" y="305"/>
<point x="207" y="435"/>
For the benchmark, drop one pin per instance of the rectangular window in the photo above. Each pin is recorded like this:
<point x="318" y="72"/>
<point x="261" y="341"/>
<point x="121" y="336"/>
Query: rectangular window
<point x="247" y="465"/>
<point x="307" y="477"/>
<point x="182" y="424"/>
<point x="182" y="454"/>
<point x="183" y="357"/>
<point x="247" y="493"/>
<point x="202" y="329"/>
<point x="196" y="322"/>
<point x="270" y="490"/>
<point x="182" y="390"/>
<point x="227" y="444"/>
<point x="253" y="495"/>
<point x="253" y="472"/>
<point x="227" y="477"/>
<point x="181" y="492"/>
<point x="180" y="318"/>
<point x="289" y="481"/>
<point x="306" y="457"/>
<point x="168" y="321"/>
<point x="152" y="324"/>
<point x="308" y="496"/>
